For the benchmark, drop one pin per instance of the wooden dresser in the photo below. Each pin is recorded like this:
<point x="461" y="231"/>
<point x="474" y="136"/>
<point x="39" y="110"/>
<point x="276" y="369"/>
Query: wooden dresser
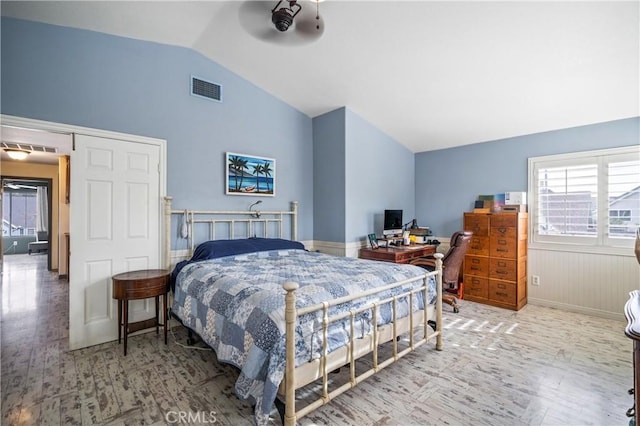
<point x="495" y="267"/>
<point x="399" y="254"/>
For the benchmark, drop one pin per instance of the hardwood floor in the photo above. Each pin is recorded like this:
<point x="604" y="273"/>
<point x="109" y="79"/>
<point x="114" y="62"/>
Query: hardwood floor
<point x="538" y="366"/>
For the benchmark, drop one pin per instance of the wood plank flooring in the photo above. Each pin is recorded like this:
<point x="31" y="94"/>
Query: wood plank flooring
<point x="538" y="366"/>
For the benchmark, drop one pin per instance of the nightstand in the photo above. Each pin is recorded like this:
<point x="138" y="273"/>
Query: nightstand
<point x="134" y="285"/>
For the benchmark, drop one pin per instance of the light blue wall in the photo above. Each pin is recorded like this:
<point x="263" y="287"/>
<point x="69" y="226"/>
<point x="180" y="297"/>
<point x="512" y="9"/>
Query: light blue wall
<point x="343" y="171"/>
<point x="379" y="176"/>
<point x="354" y="182"/>
<point x="96" y="80"/>
<point x="329" y="176"/>
<point x="449" y="180"/>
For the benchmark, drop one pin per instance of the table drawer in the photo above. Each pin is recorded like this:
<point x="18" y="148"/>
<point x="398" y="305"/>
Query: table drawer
<point x="377" y="255"/>
<point x="409" y="255"/>
<point x="502" y="291"/>
<point x="476" y="265"/>
<point x="477" y="223"/>
<point x="149" y="288"/>
<point x="503" y="269"/>
<point x="503" y="247"/>
<point x="476" y="286"/>
<point x="479" y="246"/>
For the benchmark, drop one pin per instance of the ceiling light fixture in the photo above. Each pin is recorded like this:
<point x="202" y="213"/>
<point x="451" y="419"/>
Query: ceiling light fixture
<point x="17" y="154"/>
<point x="283" y="18"/>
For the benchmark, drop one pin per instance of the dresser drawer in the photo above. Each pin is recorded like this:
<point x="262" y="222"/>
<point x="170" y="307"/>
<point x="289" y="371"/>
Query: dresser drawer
<point x="477" y="223"/>
<point x="476" y="265"/>
<point x="504" y="220"/>
<point x="503" y="269"/>
<point x="503" y="232"/>
<point x="476" y="286"/>
<point x="479" y="246"/>
<point x="503" y="247"/>
<point x="501" y="291"/>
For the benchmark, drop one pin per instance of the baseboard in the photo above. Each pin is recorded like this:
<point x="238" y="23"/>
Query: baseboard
<point x="619" y="316"/>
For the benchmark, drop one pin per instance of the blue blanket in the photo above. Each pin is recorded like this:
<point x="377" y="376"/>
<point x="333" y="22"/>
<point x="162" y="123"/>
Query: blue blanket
<point x="236" y="304"/>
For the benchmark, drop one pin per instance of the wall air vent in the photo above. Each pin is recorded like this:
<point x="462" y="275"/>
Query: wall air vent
<point x="28" y="147"/>
<point x="206" y="89"/>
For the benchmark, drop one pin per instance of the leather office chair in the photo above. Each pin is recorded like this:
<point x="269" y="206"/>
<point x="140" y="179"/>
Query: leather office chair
<point x="451" y="263"/>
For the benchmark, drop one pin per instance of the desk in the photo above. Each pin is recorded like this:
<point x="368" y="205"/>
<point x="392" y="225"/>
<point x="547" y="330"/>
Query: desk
<point x="135" y="285"/>
<point x="399" y="254"/>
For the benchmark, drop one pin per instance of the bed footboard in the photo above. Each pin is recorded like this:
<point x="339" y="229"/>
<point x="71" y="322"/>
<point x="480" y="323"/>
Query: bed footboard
<point x="416" y="322"/>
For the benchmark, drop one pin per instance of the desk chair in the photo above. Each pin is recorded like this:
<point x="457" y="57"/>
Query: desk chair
<point x="451" y="263"/>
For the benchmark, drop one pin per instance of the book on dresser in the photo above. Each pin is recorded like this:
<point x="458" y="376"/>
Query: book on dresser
<point x="495" y="266"/>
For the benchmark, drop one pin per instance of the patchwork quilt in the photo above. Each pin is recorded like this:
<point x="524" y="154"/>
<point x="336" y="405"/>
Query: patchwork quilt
<point x="236" y="304"/>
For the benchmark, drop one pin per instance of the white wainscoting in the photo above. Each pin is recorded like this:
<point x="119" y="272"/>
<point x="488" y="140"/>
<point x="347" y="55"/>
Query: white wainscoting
<point x="336" y="249"/>
<point x="595" y="284"/>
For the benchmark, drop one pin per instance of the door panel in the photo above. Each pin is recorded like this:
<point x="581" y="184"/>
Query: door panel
<point x="115" y="223"/>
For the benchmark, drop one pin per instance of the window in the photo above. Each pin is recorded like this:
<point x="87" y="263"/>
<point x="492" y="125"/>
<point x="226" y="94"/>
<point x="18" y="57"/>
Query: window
<point x="586" y="198"/>
<point x="19" y="213"/>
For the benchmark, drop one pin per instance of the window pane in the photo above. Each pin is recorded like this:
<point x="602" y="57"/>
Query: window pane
<point x="19" y="215"/>
<point x="567" y="200"/>
<point x="624" y="198"/>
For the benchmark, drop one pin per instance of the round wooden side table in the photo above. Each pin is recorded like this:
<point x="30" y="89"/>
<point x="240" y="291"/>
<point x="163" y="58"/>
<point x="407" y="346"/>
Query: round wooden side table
<point x="135" y="285"/>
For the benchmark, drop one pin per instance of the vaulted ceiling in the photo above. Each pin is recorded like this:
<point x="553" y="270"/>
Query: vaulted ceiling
<point x="429" y="74"/>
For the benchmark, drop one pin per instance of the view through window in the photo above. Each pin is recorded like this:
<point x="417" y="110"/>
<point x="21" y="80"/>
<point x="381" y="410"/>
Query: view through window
<point x="19" y="212"/>
<point x="590" y="198"/>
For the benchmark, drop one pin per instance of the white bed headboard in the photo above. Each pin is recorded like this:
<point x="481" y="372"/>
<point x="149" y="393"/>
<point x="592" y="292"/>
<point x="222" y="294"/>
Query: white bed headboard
<point x="205" y="225"/>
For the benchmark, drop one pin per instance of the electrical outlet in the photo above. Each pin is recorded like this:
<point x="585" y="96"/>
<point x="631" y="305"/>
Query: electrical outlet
<point x="15" y="243"/>
<point x="535" y="280"/>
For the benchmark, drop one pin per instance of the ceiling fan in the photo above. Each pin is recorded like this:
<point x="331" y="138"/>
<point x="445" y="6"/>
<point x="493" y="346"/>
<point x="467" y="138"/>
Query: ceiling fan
<point x="288" y="22"/>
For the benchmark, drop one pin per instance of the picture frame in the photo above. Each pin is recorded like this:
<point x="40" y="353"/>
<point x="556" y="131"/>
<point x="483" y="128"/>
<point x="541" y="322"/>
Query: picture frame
<point x="373" y="240"/>
<point x="250" y="175"/>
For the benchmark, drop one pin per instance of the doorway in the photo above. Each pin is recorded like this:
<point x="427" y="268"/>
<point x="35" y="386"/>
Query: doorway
<point x="116" y="184"/>
<point x="26" y="217"/>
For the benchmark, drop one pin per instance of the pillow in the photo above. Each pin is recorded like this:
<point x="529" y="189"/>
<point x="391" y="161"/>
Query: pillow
<point x="222" y="248"/>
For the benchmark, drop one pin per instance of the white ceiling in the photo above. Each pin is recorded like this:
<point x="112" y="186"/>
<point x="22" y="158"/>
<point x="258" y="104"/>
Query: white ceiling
<point x="429" y="74"/>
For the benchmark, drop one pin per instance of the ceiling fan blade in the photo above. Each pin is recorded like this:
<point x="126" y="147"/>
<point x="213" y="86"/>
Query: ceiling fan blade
<point x="255" y="18"/>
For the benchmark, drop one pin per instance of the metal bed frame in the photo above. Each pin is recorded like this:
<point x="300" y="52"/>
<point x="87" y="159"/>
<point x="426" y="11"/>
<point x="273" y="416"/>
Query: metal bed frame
<point x="420" y="327"/>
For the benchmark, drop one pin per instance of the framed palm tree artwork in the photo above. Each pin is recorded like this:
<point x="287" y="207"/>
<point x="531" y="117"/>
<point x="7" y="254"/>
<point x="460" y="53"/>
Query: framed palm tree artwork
<point x="250" y="175"/>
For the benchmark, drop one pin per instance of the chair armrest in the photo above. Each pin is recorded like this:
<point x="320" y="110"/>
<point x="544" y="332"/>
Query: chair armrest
<point x="425" y="262"/>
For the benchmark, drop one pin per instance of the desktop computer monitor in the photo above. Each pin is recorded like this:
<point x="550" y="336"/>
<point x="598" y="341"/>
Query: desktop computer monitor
<point x="392" y="222"/>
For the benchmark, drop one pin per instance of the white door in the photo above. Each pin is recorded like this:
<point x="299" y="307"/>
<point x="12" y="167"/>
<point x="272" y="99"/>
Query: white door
<point x="114" y="228"/>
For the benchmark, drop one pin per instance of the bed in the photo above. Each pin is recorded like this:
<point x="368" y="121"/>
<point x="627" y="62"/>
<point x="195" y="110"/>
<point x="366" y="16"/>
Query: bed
<point x="287" y="317"/>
